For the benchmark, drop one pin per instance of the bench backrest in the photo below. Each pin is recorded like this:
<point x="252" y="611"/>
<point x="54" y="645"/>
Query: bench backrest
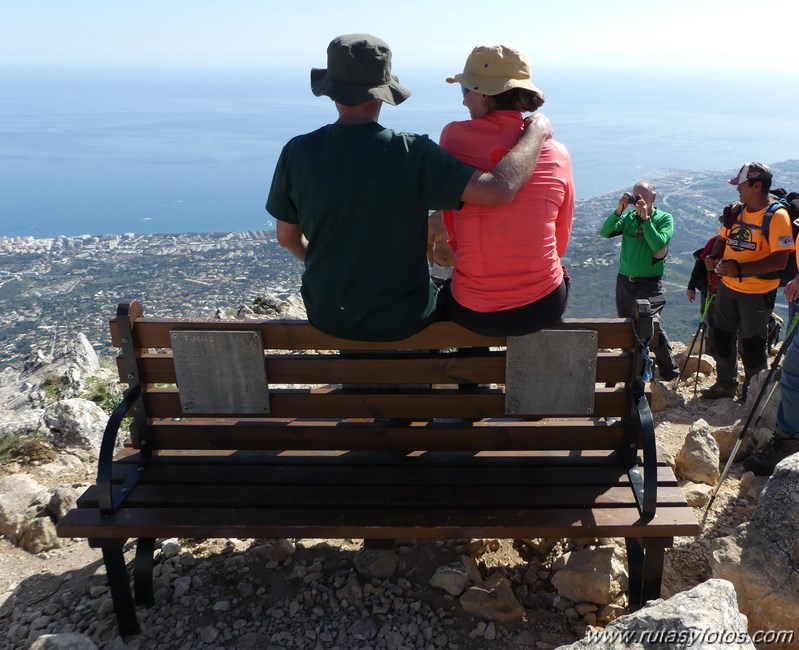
<point x="314" y="380"/>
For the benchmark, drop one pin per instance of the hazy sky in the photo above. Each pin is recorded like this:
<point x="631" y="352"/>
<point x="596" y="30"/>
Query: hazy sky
<point x="728" y="35"/>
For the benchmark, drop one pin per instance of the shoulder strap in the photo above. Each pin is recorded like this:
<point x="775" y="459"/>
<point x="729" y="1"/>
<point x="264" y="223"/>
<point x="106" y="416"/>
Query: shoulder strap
<point x="770" y="210"/>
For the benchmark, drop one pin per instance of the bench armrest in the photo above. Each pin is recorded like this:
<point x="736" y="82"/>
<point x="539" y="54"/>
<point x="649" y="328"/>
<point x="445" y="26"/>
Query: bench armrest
<point x="104" y="464"/>
<point x="647" y="491"/>
<point x="641" y="415"/>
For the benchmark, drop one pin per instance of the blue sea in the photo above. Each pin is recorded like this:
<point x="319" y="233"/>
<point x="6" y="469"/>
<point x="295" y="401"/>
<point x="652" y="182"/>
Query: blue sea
<point x="96" y="151"/>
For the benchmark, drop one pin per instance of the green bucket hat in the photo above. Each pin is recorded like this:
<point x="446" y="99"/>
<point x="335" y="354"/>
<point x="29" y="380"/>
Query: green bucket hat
<point x="358" y="71"/>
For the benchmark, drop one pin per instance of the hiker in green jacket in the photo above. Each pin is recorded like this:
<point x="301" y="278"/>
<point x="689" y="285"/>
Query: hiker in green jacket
<point x="645" y="235"/>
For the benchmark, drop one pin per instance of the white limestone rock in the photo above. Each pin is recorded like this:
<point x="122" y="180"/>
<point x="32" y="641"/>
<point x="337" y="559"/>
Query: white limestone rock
<point x="696" y="494"/>
<point x="698" y="459"/>
<point x="494" y="601"/>
<point x="77" y="423"/>
<point x="64" y="641"/>
<point x="38" y="535"/>
<point x="452" y="579"/>
<point x="595" y="575"/>
<point x="705" y="617"/>
<point x="20" y="498"/>
<point x="761" y="558"/>
<point x="767" y="408"/>
<point x="726" y="437"/>
<point x="706" y="365"/>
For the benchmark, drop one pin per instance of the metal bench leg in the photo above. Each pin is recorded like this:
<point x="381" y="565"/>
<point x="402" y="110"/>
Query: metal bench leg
<point x="143" y="572"/>
<point x="654" y="550"/>
<point x="118" y="581"/>
<point x="635" y="570"/>
<point x="645" y="567"/>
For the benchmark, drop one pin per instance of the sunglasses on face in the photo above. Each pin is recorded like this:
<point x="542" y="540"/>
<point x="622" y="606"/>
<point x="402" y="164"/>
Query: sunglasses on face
<point x="464" y="90"/>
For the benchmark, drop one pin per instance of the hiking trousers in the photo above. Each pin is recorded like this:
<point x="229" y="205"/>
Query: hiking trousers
<point x="747" y="314"/>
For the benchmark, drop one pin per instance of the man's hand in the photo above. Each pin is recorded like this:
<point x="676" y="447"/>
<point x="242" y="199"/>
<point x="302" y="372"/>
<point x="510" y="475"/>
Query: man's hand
<point x="538" y="121"/>
<point x="690" y="294"/>
<point x="791" y="290"/>
<point x="642" y="209"/>
<point x="710" y="263"/>
<point x="727" y="268"/>
<point x="624" y="201"/>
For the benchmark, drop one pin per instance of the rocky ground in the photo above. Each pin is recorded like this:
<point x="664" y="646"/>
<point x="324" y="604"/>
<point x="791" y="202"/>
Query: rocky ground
<point x="307" y="594"/>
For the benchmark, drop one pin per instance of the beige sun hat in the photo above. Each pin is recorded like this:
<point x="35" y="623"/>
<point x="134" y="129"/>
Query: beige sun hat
<point x="493" y="69"/>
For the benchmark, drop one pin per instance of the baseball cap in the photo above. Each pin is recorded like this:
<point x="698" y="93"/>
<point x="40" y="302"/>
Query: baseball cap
<point x="752" y="171"/>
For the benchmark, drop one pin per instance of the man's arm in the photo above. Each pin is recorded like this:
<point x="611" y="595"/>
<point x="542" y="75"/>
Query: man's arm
<point x="500" y="185"/>
<point x="614" y="223"/>
<point x="611" y="226"/>
<point x="774" y="262"/>
<point x="290" y="237"/>
<point x="659" y="234"/>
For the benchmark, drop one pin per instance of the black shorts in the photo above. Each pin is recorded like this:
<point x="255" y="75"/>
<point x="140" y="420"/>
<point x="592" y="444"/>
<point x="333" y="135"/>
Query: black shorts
<point x="518" y="321"/>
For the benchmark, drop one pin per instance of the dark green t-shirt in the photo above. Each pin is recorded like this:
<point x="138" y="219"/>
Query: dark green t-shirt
<point x="361" y="194"/>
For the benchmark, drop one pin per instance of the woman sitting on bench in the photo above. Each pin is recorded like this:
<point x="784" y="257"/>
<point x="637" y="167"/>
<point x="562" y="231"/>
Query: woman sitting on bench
<point x="508" y="278"/>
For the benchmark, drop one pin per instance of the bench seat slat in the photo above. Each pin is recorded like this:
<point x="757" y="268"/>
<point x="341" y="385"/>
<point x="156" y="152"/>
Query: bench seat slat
<point x="519" y="496"/>
<point x="378" y="523"/>
<point x="348" y="458"/>
<point x="334" y="403"/>
<point x="180" y="435"/>
<point x="432" y="476"/>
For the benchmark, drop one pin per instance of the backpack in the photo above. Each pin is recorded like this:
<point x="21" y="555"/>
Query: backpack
<point x="780" y="199"/>
<point x="710" y="278"/>
<point x="790" y="203"/>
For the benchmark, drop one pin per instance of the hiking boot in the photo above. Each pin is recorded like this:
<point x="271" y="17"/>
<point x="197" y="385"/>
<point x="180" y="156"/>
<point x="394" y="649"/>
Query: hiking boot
<point x="778" y="447"/>
<point x="717" y="391"/>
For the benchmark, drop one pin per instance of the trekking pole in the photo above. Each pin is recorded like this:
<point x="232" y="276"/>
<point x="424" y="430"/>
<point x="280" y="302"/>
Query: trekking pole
<point x="699" y="358"/>
<point x="702" y="320"/>
<point x="788" y="337"/>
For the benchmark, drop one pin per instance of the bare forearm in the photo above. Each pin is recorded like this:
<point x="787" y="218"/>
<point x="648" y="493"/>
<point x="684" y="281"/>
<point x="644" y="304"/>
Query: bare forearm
<point x="298" y="249"/>
<point x="291" y="237"/>
<point x="774" y="262"/>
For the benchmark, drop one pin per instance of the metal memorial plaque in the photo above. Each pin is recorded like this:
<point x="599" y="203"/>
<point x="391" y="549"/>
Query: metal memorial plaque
<point x="551" y="372"/>
<point x="220" y="372"/>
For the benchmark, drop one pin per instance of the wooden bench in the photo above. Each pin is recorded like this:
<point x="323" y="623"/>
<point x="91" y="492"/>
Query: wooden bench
<point x="447" y="434"/>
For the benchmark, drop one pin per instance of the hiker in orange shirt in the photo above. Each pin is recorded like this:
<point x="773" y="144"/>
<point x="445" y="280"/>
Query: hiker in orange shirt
<point x="748" y="262"/>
